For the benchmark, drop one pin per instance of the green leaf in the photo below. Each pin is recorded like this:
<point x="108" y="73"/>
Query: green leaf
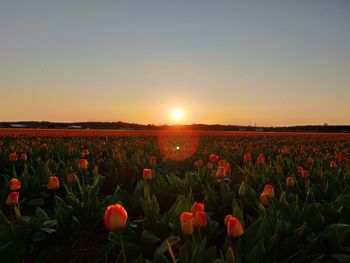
<point x="256" y="254"/>
<point x="38" y="236"/>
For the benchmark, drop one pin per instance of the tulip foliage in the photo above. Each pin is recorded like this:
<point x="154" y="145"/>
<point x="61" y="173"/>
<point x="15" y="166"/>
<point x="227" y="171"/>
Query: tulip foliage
<point x="120" y="198"/>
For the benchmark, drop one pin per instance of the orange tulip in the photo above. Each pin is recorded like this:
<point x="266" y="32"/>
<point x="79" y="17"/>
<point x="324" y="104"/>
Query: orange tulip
<point x="15" y="184"/>
<point x="147" y="174"/>
<point x="200" y="219"/>
<point x="115" y="217"/>
<point x="83" y="164"/>
<point x="53" y="183"/>
<point x="234" y="227"/>
<point x="187" y="223"/>
<point x="12" y="198"/>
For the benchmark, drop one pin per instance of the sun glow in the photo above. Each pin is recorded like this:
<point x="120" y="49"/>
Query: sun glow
<point x="177" y="115"/>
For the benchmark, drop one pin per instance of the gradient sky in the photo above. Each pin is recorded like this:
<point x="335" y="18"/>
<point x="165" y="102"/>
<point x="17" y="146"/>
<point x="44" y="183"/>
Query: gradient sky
<point x="232" y="62"/>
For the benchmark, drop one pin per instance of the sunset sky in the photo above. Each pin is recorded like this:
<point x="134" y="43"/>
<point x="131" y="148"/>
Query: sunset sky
<point x="230" y="62"/>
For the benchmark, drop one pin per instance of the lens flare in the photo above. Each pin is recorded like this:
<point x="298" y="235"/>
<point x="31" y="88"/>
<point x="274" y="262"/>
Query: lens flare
<point x="178" y="145"/>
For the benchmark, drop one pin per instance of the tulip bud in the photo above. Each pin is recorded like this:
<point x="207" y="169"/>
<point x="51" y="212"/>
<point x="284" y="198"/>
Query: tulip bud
<point x="15" y="184"/>
<point x="242" y="189"/>
<point x="210" y="166"/>
<point x="187" y="223"/>
<point x="115" y="217"/>
<point x="234" y="227"/>
<point x="12" y="198"/>
<point x="147" y="174"/>
<point x="53" y="183"/>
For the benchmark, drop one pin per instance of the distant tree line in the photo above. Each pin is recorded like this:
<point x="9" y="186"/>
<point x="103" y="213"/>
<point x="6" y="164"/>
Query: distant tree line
<point x="195" y="127"/>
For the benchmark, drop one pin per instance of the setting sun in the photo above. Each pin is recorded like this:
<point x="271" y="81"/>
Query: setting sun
<point x="177" y="115"/>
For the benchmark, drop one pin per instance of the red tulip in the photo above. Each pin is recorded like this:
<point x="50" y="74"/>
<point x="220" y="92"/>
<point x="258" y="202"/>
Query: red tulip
<point x="197" y="207"/>
<point x="147" y="174"/>
<point x="333" y="165"/>
<point x="290" y="181"/>
<point x="247" y="157"/>
<point x="304" y="174"/>
<point x="53" y="183"/>
<point x="15" y="184"/>
<point x="152" y="160"/>
<point x="12" y="198"/>
<point x="227" y="168"/>
<point x="261" y="159"/>
<point x="187" y="223"/>
<point x="234" y="227"/>
<point x="264" y="199"/>
<point x="222" y="163"/>
<point x="23" y="157"/>
<point x="341" y="157"/>
<point x="269" y="190"/>
<point x="214" y="158"/>
<point x="71" y="178"/>
<point x="200" y="219"/>
<point x="13" y="157"/>
<point x="115" y="217"/>
<point x="220" y="173"/>
<point x="83" y="164"/>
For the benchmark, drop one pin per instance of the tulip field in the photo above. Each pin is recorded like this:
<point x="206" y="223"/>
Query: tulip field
<point x="151" y="196"/>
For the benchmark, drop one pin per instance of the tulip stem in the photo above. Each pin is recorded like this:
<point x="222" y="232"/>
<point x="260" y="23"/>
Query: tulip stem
<point x="122" y="245"/>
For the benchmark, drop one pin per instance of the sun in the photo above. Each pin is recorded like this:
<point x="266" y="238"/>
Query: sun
<point x="177" y="115"/>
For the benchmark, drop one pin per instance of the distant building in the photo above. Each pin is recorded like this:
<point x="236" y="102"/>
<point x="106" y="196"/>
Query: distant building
<point x="259" y="130"/>
<point x="74" y="127"/>
<point x="18" y="125"/>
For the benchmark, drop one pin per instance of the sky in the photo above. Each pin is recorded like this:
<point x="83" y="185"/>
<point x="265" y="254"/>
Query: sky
<point x="230" y="62"/>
